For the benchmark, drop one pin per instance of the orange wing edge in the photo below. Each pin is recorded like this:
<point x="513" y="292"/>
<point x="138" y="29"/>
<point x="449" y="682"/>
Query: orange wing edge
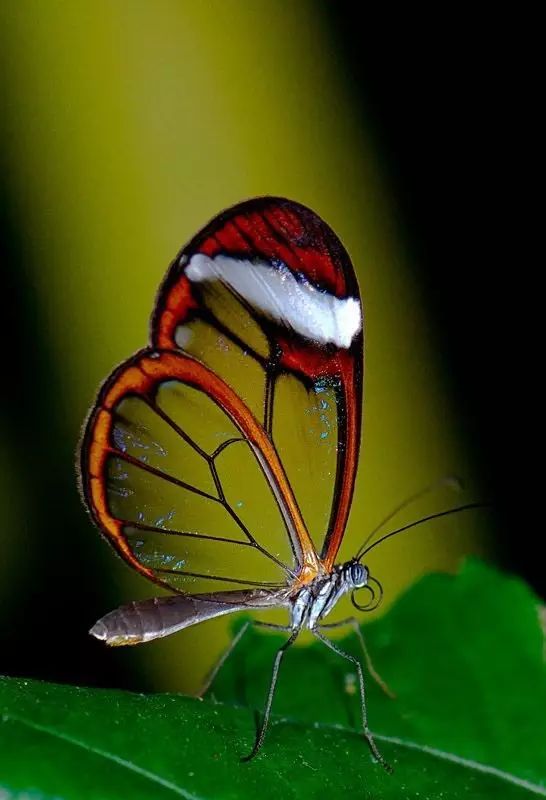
<point x="141" y="375"/>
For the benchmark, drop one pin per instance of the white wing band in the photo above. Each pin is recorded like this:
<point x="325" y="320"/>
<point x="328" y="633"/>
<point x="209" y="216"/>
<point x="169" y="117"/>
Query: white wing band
<point x="278" y="295"/>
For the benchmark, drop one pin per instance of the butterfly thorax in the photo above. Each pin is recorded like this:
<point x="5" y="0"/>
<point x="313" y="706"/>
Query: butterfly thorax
<point x="315" y="600"/>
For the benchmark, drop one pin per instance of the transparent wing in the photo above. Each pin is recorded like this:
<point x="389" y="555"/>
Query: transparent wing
<point x="267" y="298"/>
<point x="171" y="463"/>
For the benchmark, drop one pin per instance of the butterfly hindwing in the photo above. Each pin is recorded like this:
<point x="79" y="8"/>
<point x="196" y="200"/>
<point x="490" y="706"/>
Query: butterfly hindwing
<point x="161" y="473"/>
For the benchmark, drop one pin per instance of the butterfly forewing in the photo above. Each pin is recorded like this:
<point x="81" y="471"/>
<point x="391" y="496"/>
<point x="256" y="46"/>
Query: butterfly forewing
<point x="266" y="297"/>
<point x="305" y="432"/>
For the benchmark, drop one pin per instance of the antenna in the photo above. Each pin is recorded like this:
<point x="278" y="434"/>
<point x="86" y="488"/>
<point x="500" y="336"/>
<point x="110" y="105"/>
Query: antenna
<point x="446" y="513"/>
<point x="451" y="481"/>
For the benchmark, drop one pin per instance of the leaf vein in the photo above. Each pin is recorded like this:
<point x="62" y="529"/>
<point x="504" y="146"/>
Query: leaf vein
<point x="151" y="776"/>
<point x="466" y="762"/>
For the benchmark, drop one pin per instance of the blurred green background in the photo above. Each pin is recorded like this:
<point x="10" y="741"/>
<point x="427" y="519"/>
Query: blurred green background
<point x="127" y="125"/>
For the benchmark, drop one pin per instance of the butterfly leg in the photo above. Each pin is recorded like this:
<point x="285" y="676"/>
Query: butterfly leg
<point x="231" y="647"/>
<point x="267" y="711"/>
<point x="353" y="622"/>
<point x="367" y="733"/>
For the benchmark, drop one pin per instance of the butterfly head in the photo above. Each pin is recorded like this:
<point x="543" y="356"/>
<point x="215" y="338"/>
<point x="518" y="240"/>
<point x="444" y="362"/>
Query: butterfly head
<point x="356" y="574"/>
<point x="358" y="577"/>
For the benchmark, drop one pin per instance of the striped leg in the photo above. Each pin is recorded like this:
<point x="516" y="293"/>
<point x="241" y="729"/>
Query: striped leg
<point x="231" y="647"/>
<point x="267" y="711"/>
<point x="353" y="622"/>
<point x="367" y="733"/>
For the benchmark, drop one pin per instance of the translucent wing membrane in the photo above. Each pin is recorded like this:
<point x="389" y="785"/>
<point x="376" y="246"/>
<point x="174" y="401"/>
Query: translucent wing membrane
<point x="250" y="397"/>
<point x="305" y="432"/>
<point x="172" y="462"/>
<point x="267" y="298"/>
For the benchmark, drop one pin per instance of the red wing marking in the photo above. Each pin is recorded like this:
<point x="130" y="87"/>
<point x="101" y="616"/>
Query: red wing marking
<point x="271" y="229"/>
<point x="282" y="234"/>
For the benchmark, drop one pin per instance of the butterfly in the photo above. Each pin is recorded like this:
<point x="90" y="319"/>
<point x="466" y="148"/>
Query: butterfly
<point x="220" y="460"/>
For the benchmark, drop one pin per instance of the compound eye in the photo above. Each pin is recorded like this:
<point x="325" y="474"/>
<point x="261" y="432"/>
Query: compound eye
<point x="359" y="575"/>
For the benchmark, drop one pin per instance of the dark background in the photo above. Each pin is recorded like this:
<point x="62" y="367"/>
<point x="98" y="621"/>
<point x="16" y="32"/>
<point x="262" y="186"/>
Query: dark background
<point x="452" y="103"/>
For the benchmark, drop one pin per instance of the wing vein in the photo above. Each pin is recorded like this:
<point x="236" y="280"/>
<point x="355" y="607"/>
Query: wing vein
<point x="240" y="581"/>
<point x="159" y="474"/>
<point x="155" y="529"/>
<point x="176" y="428"/>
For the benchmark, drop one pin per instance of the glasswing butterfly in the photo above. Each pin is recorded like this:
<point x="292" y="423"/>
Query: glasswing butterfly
<point x="220" y="461"/>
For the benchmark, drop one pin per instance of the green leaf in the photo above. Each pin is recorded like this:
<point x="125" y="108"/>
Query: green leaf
<point x="464" y="654"/>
